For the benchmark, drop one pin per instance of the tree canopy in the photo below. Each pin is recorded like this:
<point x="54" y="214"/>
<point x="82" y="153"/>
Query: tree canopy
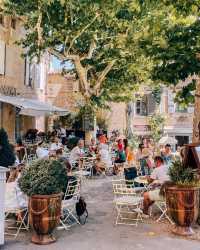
<point x="116" y="45"/>
<point x="99" y="37"/>
<point x="176" y="56"/>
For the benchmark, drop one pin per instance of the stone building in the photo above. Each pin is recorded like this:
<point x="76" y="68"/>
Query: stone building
<point x="23" y="85"/>
<point x="13" y="76"/>
<point x="178" y="123"/>
<point x="62" y="90"/>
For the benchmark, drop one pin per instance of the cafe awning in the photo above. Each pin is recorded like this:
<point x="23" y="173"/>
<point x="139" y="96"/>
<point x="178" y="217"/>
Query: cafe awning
<point x="33" y="107"/>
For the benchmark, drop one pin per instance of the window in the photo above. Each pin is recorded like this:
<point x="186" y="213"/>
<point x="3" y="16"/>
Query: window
<point x="180" y="109"/>
<point x="141" y="106"/>
<point x="13" y="23"/>
<point x="1" y="19"/>
<point x="29" y="73"/>
<point x="2" y="57"/>
<point x="145" y="105"/>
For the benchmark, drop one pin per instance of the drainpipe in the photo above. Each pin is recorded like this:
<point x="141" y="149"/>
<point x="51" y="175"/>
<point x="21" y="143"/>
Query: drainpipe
<point x="17" y="122"/>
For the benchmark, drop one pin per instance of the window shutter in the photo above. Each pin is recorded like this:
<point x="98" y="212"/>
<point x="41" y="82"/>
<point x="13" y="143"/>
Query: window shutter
<point x="2" y="57"/>
<point x="151" y="104"/>
<point x="171" y="105"/>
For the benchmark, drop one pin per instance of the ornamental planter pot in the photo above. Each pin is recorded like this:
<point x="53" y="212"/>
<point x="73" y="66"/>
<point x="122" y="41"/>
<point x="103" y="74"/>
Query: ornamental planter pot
<point x="183" y="206"/>
<point x="44" y="216"/>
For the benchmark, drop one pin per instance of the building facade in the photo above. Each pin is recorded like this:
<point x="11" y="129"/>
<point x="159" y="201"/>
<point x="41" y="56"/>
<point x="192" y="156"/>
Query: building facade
<point x="19" y="78"/>
<point x="178" y="121"/>
<point x="13" y="77"/>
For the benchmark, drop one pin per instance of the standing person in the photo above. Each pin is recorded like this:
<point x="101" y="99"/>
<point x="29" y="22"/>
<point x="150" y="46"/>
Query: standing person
<point x="167" y="155"/>
<point x="130" y="157"/>
<point x="121" y="156"/>
<point x="142" y="156"/>
<point x="62" y="134"/>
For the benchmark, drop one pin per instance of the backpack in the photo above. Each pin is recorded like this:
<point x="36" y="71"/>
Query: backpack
<point x="81" y="209"/>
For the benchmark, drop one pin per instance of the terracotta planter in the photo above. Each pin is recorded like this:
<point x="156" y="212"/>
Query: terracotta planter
<point x="183" y="206"/>
<point x="44" y="216"/>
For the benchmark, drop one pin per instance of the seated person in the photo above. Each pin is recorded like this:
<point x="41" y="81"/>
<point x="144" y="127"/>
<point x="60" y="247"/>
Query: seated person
<point x="93" y="146"/>
<point x="55" y="145"/>
<point x="157" y="178"/>
<point x="41" y="152"/>
<point x="77" y="152"/>
<point x="14" y="197"/>
<point x="70" y="177"/>
<point x="103" y="159"/>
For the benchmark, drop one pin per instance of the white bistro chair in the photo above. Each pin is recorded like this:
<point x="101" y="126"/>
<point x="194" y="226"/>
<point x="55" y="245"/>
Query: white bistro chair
<point x="127" y="203"/>
<point x="69" y="201"/>
<point x="16" y="203"/>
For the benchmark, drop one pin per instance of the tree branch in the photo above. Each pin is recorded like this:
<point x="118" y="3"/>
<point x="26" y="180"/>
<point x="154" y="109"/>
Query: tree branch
<point x="103" y="75"/>
<point x="81" y="32"/>
<point x="90" y="52"/>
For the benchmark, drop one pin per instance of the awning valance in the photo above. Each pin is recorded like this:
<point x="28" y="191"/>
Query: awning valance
<point x="33" y="107"/>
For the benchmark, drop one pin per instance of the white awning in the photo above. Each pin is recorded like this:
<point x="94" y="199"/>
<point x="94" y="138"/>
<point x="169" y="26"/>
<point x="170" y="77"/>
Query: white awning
<point x="33" y="107"/>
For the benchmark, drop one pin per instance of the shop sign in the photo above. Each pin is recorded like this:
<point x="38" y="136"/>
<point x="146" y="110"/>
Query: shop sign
<point x="8" y="90"/>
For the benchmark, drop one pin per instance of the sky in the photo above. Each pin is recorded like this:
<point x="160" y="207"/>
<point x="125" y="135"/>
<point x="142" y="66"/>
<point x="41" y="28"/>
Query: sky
<point x="57" y="66"/>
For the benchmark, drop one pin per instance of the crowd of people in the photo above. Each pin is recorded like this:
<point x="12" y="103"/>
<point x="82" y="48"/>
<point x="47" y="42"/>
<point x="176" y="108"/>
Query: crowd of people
<point x="110" y="156"/>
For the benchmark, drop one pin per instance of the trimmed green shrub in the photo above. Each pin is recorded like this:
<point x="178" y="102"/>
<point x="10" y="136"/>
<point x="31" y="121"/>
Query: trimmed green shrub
<point x="43" y="177"/>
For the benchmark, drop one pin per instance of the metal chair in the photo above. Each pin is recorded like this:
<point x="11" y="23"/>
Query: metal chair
<point x="14" y="207"/>
<point x="161" y="205"/>
<point x="69" y="201"/>
<point x="127" y="203"/>
<point x="31" y="158"/>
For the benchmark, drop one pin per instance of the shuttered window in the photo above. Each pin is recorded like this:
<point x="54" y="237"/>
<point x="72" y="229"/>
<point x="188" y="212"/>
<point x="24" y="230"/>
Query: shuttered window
<point x="2" y="57"/>
<point x="151" y="104"/>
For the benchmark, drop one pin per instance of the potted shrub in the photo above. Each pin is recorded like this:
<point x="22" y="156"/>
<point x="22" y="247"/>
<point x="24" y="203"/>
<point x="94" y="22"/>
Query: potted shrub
<point x="182" y="197"/>
<point x="43" y="181"/>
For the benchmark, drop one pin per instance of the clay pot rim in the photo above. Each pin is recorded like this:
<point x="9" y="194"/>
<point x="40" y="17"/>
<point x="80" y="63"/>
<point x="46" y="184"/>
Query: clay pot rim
<point x="182" y="187"/>
<point x="45" y="196"/>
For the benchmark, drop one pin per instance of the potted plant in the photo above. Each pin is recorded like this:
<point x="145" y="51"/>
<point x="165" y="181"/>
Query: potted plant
<point x="182" y="197"/>
<point x="43" y="182"/>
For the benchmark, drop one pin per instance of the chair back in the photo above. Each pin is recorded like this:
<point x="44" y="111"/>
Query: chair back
<point x="31" y="158"/>
<point x="121" y="188"/>
<point x="73" y="190"/>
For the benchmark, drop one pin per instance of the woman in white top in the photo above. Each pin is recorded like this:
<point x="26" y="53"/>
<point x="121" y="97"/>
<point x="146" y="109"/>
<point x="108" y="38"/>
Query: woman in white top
<point x="55" y="145"/>
<point x="41" y="152"/>
<point x="77" y="152"/>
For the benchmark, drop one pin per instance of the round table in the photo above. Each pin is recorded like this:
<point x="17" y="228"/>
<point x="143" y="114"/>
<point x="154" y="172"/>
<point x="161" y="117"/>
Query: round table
<point x="141" y="180"/>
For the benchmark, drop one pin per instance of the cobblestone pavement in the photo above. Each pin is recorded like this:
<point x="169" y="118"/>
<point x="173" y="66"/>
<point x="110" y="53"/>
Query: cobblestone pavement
<point x="100" y="233"/>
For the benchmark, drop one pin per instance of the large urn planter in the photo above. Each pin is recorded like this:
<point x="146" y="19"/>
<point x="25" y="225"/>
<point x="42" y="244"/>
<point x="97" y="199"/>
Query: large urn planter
<point x="43" y="182"/>
<point x="44" y="216"/>
<point x="183" y="208"/>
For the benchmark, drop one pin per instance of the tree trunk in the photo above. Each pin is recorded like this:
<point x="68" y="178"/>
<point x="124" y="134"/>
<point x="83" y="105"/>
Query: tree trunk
<point x="196" y="119"/>
<point x="130" y="110"/>
<point x="89" y="126"/>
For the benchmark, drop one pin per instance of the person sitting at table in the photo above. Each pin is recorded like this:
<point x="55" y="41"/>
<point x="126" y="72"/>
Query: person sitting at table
<point x="70" y="177"/>
<point x="55" y="145"/>
<point x="77" y="152"/>
<point x="157" y="178"/>
<point x="41" y="152"/>
<point x="93" y="146"/>
<point x="103" y="159"/>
